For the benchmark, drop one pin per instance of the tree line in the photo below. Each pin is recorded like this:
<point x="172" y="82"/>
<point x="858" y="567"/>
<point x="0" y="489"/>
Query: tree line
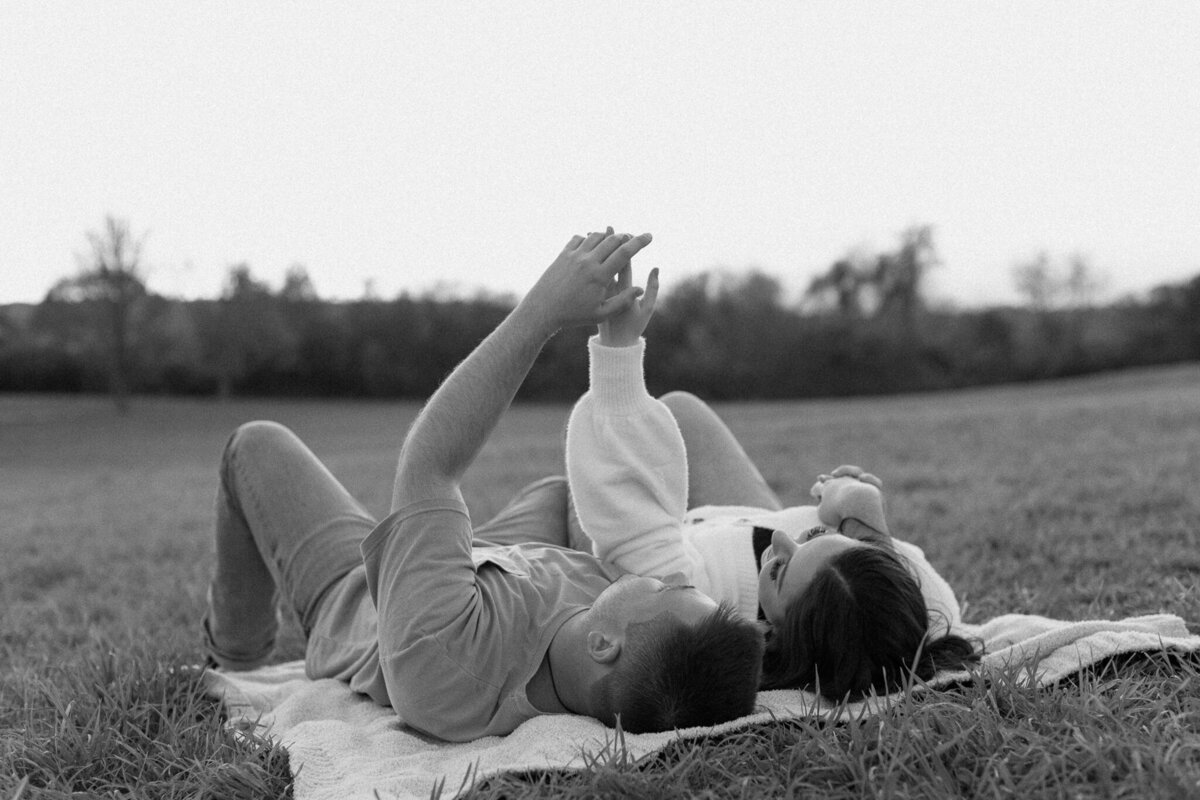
<point x="862" y="327"/>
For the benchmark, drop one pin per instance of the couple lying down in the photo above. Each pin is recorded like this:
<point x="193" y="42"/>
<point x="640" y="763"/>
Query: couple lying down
<point x="610" y="598"/>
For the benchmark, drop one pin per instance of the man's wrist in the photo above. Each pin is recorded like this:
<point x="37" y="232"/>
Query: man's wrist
<point x="536" y="321"/>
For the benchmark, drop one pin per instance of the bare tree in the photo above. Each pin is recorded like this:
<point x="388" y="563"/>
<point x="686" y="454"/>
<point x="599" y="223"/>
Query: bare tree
<point x="899" y="277"/>
<point x="1082" y="284"/>
<point x="1036" y="282"/>
<point x="845" y="282"/>
<point x="1044" y="287"/>
<point x="110" y="280"/>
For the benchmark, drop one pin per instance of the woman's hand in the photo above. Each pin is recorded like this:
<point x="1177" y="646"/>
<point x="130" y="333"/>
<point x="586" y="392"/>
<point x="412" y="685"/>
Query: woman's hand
<point x="850" y="493"/>
<point x="625" y="327"/>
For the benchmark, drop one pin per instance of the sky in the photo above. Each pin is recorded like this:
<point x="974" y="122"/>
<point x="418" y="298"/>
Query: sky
<point x="407" y="146"/>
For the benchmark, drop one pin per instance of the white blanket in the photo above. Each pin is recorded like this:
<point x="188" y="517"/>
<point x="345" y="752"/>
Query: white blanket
<point x="342" y="746"/>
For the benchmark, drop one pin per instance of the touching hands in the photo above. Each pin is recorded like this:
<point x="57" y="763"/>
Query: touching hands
<point x="576" y="288"/>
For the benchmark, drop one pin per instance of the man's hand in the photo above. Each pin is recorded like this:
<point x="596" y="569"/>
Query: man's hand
<point x="574" y="290"/>
<point x="626" y="326"/>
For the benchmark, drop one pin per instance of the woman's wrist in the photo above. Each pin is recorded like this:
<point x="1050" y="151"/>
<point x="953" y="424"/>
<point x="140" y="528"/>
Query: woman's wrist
<point x="609" y="338"/>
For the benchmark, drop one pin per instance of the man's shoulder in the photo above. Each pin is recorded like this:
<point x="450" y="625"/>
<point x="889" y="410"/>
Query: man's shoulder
<point x="429" y="512"/>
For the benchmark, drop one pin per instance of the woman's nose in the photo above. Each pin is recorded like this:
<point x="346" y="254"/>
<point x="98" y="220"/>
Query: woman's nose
<point x="782" y="544"/>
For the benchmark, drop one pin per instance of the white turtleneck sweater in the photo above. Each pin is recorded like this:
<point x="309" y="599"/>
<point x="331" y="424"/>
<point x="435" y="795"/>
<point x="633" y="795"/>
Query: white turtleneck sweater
<point x="627" y="468"/>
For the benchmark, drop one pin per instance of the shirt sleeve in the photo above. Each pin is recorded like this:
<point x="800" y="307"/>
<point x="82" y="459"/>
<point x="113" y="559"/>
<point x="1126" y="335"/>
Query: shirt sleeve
<point x="431" y="633"/>
<point x="627" y="468"/>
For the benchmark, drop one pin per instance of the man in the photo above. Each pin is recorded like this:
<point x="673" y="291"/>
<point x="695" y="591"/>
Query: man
<point x="461" y="636"/>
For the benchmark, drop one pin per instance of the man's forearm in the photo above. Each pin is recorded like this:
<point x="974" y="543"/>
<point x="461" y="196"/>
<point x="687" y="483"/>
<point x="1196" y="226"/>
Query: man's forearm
<point x="459" y="418"/>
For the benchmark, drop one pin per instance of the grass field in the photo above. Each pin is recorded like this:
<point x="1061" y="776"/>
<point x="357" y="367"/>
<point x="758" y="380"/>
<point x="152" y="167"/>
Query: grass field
<point x="1071" y="499"/>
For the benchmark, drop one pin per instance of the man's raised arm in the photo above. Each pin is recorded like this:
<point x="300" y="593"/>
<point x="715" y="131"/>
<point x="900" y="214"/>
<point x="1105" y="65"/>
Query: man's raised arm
<point x="449" y="432"/>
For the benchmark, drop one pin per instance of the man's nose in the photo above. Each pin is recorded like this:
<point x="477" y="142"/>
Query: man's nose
<point x="675" y="579"/>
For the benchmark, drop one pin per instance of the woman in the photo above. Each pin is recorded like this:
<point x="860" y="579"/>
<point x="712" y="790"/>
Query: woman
<point x="848" y="608"/>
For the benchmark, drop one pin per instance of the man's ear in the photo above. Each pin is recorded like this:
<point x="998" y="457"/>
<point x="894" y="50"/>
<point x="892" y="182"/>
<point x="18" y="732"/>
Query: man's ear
<point x="602" y="647"/>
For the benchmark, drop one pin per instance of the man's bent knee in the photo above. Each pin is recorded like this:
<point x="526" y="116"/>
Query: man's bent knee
<point x="257" y="441"/>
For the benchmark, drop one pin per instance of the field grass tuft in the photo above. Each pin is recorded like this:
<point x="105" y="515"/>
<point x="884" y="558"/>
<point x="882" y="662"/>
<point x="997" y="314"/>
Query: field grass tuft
<point x="118" y="723"/>
<point x="1073" y="499"/>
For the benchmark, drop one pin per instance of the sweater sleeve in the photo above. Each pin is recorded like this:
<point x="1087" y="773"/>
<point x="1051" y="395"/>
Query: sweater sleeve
<point x="627" y="468"/>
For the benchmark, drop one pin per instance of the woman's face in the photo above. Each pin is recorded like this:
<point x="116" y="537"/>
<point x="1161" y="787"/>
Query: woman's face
<point x="788" y="567"/>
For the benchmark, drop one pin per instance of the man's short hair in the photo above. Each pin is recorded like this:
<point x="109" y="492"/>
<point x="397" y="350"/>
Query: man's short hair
<point x="672" y="675"/>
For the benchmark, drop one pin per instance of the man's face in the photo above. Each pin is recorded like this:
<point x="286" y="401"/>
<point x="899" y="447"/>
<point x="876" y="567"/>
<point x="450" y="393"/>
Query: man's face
<point x="633" y="598"/>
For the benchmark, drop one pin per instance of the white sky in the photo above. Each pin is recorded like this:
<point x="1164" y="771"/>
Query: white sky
<point x="410" y="143"/>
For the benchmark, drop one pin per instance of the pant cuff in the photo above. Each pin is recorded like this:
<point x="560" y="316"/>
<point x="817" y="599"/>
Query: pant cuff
<point x="231" y="660"/>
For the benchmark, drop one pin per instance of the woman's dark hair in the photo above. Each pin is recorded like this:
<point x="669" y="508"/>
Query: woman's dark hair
<point x="862" y="624"/>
